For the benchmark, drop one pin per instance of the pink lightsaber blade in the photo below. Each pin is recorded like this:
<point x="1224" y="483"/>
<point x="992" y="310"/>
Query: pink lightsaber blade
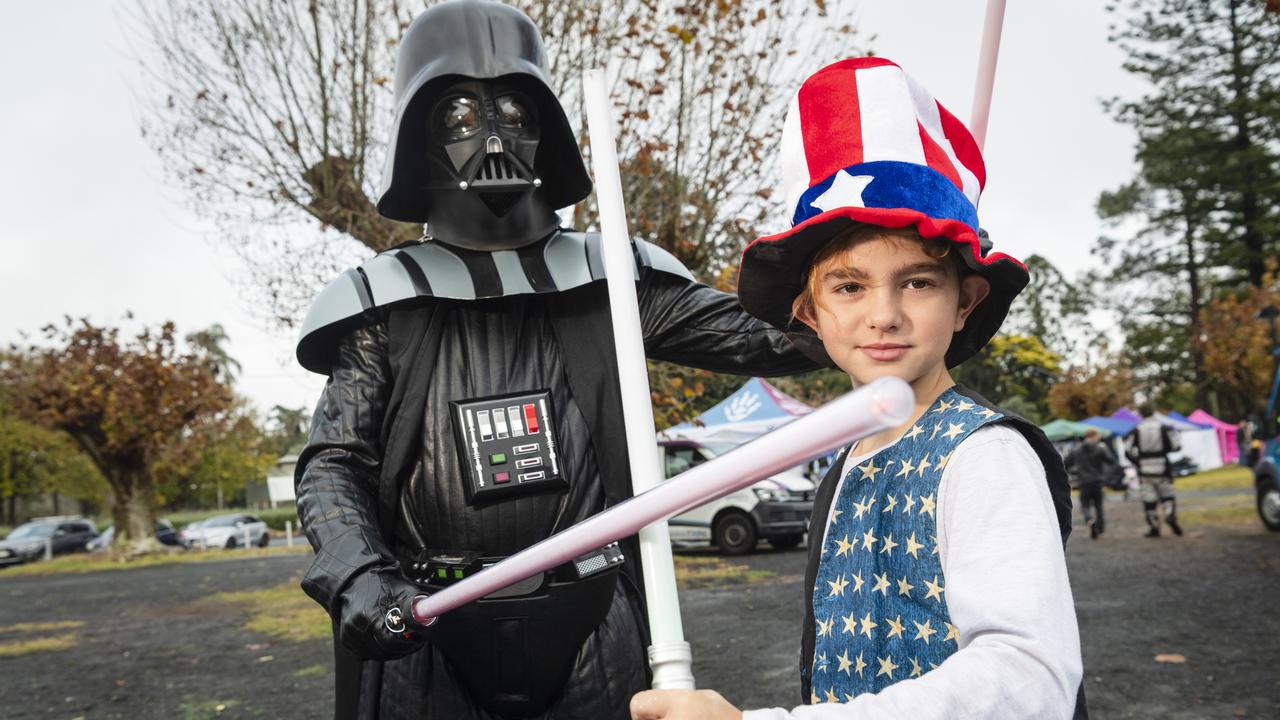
<point x="880" y="405"/>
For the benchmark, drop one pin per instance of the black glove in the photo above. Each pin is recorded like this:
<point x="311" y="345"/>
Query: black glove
<point x="377" y="615"/>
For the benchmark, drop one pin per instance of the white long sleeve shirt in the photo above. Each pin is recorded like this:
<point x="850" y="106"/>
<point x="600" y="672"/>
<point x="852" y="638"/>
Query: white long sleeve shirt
<point x="1007" y="592"/>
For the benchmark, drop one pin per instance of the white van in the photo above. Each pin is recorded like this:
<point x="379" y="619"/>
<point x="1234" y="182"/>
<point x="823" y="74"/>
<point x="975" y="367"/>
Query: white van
<point x="776" y="509"/>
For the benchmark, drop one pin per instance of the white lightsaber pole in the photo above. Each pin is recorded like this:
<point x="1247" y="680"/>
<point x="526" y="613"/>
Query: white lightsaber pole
<point x="670" y="657"/>
<point x="885" y="403"/>
<point x="986" y="81"/>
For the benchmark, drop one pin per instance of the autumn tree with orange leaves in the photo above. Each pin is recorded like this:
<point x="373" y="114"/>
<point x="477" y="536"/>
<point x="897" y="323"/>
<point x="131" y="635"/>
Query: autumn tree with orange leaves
<point x="1237" y="346"/>
<point x="1100" y="388"/>
<point x="125" y="401"/>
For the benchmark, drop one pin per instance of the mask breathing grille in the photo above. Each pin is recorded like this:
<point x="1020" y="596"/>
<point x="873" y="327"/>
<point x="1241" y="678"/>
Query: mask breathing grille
<point x="497" y="168"/>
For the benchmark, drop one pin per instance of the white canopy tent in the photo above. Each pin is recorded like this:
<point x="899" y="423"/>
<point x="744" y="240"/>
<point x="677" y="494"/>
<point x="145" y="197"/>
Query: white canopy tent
<point x="1200" y="444"/>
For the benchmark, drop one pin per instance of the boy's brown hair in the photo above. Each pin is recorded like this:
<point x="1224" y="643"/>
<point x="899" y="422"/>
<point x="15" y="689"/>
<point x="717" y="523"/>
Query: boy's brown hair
<point x="803" y="307"/>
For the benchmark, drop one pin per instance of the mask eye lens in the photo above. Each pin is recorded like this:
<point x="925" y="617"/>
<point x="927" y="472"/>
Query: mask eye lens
<point x="459" y="116"/>
<point x="513" y="112"/>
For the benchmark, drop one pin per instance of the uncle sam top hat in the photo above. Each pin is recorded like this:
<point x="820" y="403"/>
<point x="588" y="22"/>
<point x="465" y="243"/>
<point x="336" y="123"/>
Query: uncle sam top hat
<point x="865" y="143"/>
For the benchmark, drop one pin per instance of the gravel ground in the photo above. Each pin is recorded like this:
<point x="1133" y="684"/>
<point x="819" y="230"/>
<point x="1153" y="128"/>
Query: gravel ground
<point x="151" y="646"/>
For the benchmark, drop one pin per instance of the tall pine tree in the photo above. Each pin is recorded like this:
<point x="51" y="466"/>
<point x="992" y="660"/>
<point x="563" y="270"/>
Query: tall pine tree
<point x="1202" y="214"/>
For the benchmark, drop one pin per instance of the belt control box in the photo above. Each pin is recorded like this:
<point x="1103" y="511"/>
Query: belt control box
<point x="507" y="445"/>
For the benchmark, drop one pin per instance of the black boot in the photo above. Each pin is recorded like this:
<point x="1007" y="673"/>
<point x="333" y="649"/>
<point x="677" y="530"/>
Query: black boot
<point x="1153" y="519"/>
<point x="1171" y="516"/>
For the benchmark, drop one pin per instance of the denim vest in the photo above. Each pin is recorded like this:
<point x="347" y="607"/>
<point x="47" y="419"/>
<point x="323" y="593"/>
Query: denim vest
<point x="879" y="599"/>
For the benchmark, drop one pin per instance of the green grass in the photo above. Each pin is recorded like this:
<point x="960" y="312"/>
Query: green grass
<point x="22" y="628"/>
<point x="311" y="671"/>
<point x="282" y="612"/>
<point x="1223" y="478"/>
<point x="205" y="709"/>
<point x="33" y="637"/>
<point x="84" y="563"/>
<point x="1241" y="511"/>
<point x="701" y="572"/>
<point x="18" y="648"/>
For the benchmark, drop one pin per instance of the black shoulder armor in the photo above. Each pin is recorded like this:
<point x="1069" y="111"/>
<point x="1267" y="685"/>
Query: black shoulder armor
<point x="427" y="269"/>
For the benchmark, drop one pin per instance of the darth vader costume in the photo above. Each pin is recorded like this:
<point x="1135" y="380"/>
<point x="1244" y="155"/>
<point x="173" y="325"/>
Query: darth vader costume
<point x="472" y="407"/>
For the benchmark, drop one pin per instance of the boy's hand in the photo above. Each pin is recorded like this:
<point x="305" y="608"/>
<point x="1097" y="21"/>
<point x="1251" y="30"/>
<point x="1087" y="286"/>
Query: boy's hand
<point x="682" y="705"/>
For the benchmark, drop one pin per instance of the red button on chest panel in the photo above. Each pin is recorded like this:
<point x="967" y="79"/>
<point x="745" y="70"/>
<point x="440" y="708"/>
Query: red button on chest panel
<point x="531" y="418"/>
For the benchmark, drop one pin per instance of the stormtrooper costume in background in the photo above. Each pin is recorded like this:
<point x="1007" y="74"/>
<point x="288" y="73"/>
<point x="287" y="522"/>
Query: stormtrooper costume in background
<point x="1148" y="446"/>
<point x="497" y="305"/>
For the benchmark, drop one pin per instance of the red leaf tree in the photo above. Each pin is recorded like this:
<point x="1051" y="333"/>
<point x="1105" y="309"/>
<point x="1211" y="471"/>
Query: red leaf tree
<point x="125" y="402"/>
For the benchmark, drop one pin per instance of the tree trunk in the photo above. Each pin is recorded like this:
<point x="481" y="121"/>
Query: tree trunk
<point x="1196" y="300"/>
<point x="1250" y="211"/>
<point x="134" y="511"/>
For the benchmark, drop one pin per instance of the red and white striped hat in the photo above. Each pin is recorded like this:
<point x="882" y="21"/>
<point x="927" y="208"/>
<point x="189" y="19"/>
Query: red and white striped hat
<point x="865" y="143"/>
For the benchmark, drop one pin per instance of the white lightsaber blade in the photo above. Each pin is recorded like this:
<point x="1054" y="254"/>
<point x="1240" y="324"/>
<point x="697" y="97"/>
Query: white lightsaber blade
<point x="883" y="404"/>
<point x="986" y="81"/>
<point x="670" y="657"/>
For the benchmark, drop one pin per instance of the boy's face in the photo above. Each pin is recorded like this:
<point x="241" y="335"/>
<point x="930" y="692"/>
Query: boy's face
<point x="884" y="307"/>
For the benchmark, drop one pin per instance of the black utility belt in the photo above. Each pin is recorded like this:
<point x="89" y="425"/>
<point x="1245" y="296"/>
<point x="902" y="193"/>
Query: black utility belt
<point x="514" y="649"/>
<point x="507" y="444"/>
<point x="436" y="569"/>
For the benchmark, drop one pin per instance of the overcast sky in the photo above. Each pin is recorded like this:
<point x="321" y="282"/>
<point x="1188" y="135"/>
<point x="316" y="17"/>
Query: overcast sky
<point x="91" y="229"/>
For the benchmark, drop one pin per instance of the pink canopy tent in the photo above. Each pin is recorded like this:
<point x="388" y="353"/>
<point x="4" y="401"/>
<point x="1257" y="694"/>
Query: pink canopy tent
<point x="1226" y="434"/>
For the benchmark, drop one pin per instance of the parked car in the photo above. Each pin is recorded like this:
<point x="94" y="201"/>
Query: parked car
<point x="27" y="541"/>
<point x="1184" y="466"/>
<point x="776" y="509"/>
<point x="1266" y="481"/>
<point x="226" y="531"/>
<point x="165" y="533"/>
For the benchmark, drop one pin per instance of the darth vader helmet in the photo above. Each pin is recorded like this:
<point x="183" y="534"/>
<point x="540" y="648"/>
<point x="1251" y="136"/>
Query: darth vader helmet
<point x="480" y="150"/>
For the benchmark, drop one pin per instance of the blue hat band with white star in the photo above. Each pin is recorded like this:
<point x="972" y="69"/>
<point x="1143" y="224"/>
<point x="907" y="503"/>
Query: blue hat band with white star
<point x="888" y="185"/>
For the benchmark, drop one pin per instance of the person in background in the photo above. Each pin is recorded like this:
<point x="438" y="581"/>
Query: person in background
<point x="1244" y="438"/>
<point x="1089" y="465"/>
<point x="1148" y="445"/>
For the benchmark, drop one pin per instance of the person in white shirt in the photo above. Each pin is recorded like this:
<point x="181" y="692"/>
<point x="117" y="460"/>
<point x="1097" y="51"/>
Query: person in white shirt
<point x="936" y="583"/>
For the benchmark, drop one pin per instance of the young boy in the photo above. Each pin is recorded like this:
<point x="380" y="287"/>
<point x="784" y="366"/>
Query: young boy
<point x="937" y="585"/>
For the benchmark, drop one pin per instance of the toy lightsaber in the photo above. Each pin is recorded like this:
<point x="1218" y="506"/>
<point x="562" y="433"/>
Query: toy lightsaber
<point x="885" y="403"/>
<point x="986" y="81"/>
<point x="670" y="658"/>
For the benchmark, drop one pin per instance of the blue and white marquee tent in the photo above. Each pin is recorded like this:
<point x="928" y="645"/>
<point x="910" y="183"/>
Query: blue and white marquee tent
<point x="752" y="410"/>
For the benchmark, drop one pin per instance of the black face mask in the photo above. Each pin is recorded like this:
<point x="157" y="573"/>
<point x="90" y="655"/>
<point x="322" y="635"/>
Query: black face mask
<point x="482" y="190"/>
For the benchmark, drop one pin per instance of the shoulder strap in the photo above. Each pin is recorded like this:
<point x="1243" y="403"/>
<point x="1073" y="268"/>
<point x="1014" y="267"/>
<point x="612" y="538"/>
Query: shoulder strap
<point x="582" y="324"/>
<point x="580" y="318"/>
<point x="413" y="338"/>
<point x="817" y="525"/>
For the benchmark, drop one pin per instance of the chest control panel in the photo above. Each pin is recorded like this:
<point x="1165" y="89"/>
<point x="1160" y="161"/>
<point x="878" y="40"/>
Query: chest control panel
<point x="507" y="445"/>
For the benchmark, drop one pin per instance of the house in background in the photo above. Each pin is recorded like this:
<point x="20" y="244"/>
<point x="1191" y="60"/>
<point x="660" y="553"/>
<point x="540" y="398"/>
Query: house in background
<point x="276" y="489"/>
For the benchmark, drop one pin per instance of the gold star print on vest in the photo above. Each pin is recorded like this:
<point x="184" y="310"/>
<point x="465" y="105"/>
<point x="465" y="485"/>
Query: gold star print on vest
<point x="884" y="530"/>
